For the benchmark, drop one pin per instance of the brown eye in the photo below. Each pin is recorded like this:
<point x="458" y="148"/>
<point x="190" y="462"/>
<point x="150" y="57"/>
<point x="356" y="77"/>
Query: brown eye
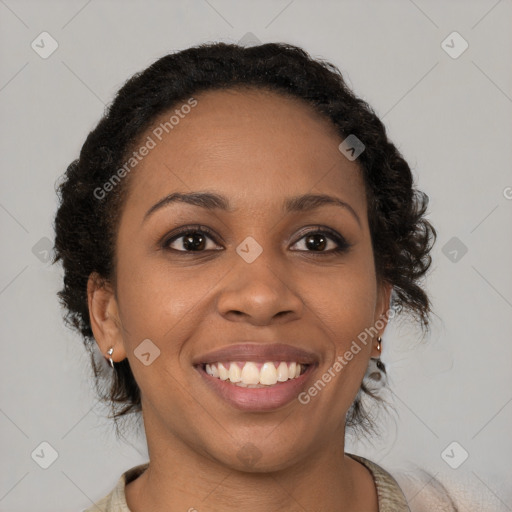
<point x="316" y="241"/>
<point x="190" y="240"/>
<point x="323" y="242"/>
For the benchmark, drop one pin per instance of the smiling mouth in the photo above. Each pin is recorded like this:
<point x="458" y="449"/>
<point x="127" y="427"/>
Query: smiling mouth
<point x="253" y="374"/>
<point x="257" y="377"/>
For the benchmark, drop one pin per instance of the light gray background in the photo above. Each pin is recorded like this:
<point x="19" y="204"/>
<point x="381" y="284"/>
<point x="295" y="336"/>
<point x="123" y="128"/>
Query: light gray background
<point x="451" y="118"/>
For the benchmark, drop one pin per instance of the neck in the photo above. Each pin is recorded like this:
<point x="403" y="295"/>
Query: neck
<point x="179" y="478"/>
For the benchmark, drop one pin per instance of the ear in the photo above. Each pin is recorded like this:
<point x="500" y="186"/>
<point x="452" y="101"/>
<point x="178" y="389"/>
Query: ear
<point x="104" y="316"/>
<point x="381" y="313"/>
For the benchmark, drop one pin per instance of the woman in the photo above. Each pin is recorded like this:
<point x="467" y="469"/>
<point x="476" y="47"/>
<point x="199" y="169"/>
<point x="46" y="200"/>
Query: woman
<point x="235" y="235"/>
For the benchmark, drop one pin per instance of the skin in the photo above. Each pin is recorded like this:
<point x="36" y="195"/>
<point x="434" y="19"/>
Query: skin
<point x="256" y="148"/>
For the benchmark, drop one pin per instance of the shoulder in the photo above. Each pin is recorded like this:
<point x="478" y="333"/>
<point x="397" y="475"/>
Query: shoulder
<point x="390" y="495"/>
<point x="115" y="501"/>
<point x="426" y="492"/>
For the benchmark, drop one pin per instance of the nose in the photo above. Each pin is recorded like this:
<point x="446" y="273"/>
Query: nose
<point x="260" y="293"/>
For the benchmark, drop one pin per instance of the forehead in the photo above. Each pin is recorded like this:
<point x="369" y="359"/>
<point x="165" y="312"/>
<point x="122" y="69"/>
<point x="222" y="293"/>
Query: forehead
<point x="252" y="145"/>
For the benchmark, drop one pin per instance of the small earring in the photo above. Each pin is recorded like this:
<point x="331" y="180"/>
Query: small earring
<point x="110" y="351"/>
<point x="379" y="341"/>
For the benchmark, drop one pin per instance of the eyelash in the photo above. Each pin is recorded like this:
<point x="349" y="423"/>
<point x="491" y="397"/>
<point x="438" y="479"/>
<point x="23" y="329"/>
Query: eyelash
<point x="343" y="245"/>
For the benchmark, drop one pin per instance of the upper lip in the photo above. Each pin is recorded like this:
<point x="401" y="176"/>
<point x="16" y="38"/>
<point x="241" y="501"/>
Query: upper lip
<point x="257" y="353"/>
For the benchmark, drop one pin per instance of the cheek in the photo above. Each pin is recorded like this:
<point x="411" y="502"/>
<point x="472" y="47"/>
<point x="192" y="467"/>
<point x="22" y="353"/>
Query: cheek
<point x="154" y="305"/>
<point x="346" y="316"/>
<point x="164" y="305"/>
<point x="345" y="306"/>
<point x="157" y="301"/>
<point x="345" y="299"/>
<point x="348" y="324"/>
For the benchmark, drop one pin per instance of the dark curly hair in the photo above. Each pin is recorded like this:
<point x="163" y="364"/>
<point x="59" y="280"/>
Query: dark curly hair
<point x="86" y="227"/>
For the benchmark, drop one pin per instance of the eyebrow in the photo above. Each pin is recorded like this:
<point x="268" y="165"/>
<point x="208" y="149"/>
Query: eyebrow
<point x="212" y="201"/>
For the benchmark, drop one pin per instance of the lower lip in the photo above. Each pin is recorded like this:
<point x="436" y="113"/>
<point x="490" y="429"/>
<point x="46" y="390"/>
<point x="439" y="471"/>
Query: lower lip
<point x="258" y="399"/>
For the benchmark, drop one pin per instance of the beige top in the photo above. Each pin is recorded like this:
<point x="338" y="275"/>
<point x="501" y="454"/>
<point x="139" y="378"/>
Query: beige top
<point x="391" y="497"/>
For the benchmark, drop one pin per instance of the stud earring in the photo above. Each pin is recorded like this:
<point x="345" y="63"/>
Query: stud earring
<point x="110" y="351"/>
<point x="379" y="341"/>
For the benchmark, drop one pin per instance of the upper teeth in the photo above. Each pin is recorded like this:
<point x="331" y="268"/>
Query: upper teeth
<point x="249" y="374"/>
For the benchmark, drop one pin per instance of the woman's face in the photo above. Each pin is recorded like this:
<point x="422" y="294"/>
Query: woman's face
<point x="263" y="275"/>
